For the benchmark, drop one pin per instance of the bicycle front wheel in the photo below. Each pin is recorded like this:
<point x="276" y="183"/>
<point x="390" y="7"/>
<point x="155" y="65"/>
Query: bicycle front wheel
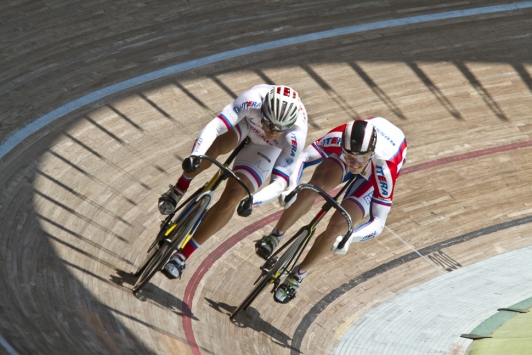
<point x="273" y="274"/>
<point x="146" y="261"/>
<point x="178" y="234"/>
<point x="154" y="264"/>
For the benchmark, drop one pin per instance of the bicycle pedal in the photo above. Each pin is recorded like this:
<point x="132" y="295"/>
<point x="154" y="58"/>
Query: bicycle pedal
<point x="269" y="264"/>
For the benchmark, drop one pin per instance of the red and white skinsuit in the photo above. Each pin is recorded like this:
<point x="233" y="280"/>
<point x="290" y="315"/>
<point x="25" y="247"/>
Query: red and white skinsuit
<point x="373" y="189"/>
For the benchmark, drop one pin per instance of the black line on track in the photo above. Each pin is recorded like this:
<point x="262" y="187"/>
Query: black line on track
<point x="322" y="304"/>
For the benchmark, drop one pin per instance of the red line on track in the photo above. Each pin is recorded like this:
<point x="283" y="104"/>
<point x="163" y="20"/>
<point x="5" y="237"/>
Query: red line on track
<point x="465" y="156"/>
<point x="206" y="265"/>
<point x="192" y="286"/>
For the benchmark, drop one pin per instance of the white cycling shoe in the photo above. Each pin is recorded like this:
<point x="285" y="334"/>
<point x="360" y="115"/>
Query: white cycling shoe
<point x="169" y="200"/>
<point x="174" y="268"/>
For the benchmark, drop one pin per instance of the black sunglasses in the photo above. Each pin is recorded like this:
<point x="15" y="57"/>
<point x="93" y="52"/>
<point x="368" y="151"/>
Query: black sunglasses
<point x="271" y="126"/>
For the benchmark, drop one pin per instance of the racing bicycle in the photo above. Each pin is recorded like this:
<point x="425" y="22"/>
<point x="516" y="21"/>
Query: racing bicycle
<point x="175" y="232"/>
<point x="279" y="265"/>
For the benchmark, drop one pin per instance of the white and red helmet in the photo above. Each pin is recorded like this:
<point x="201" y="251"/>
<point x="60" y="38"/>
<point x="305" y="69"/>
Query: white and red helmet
<point x="281" y="107"/>
<point x="359" y="137"/>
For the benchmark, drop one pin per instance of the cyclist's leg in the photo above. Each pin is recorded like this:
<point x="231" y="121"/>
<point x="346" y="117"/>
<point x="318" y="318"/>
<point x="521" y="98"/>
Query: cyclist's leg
<point x="337" y="226"/>
<point x="222" y="144"/>
<point x="326" y="176"/>
<point x="214" y="220"/>
<point x="253" y="165"/>
<point x="222" y="211"/>
<point x="357" y="203"/>
<point x="321" y="248"/>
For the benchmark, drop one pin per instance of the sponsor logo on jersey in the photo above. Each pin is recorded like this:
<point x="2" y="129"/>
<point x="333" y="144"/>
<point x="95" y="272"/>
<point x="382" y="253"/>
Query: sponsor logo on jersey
<point x="385" y="136"/>
<point x="247" y="104"/>
<point x="331" y="141"/>
<point x="367" y="197"/>
<point x="293" y="141"/>
<point x="285" y="163"/>
<point x="261" y="135"/>
<point x="368" y="237"/>
<point x="382" y="180"/>
<point x="197" y="144"/>
<point x="303" y="113"/>
<point x="264" y="156"/>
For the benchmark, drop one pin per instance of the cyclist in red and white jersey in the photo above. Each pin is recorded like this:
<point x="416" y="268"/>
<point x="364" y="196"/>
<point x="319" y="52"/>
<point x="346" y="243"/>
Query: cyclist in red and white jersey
<point x="275" y="120"/>
<point x="373" y="149"/>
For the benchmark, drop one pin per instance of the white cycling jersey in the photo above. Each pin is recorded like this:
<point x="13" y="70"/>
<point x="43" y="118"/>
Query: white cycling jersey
<point x="246" y="108"/>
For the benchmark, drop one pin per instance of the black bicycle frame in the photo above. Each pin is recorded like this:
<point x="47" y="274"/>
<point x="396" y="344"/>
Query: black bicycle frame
<point x="312" y="225"/>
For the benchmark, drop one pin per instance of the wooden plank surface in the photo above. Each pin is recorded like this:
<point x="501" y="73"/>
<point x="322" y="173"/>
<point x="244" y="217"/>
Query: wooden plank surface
<point x="77" y="199"/>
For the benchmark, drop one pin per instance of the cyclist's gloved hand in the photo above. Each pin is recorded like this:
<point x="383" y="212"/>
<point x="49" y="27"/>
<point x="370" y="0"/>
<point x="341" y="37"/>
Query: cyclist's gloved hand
<point x="342" y="251"/>
<point x="282" y="197"/>
<point x="191" y="164"/>
<point x="244" y="207"/>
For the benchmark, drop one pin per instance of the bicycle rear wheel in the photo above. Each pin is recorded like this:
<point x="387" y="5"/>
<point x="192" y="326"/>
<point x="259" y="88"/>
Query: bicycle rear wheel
<point x="162" y="254"/>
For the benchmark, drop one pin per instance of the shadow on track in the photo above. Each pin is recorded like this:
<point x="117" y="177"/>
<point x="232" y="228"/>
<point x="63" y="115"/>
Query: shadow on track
<point x="251" y="319"/>
<point x="154" y="294"/>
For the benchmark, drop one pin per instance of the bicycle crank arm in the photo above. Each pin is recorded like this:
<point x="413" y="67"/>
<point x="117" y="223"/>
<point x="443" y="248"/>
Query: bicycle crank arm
<point x="258" y="279"/>
<point x="276" y="284"/>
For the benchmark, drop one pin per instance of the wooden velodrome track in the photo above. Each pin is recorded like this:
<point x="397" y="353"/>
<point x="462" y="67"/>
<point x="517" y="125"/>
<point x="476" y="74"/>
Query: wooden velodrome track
<point x="78" y="197"/>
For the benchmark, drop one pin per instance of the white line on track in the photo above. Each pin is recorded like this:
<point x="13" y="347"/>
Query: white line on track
<point x="41" y="122"/>
<point x="8" y="347"/>
<point x="441" y="270"/>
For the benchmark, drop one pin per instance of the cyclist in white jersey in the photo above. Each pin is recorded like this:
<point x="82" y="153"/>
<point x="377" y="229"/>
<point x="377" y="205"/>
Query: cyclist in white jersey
<point x="373" y="149"/>
<point x="275" y="120"/>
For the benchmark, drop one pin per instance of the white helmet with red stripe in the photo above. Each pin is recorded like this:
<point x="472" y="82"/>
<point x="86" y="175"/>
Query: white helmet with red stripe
<point x="281" y="107"/>
<point x="359" y="137"/>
